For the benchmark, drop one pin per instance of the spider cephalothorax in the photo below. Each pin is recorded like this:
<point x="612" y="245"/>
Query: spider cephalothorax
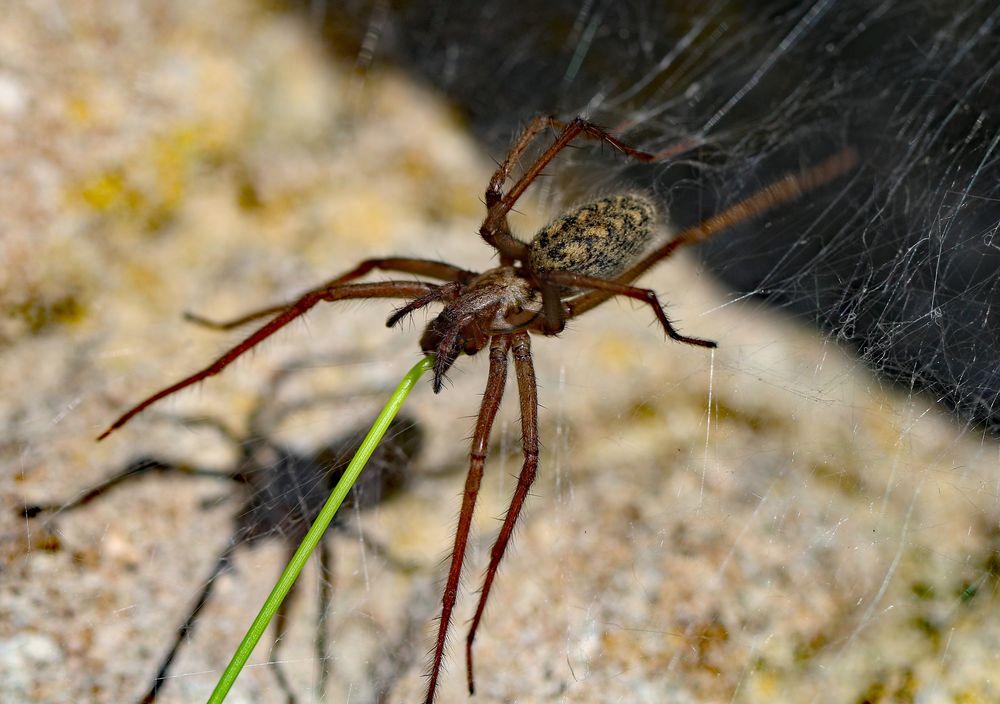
<point x="581" y="259"/>
<point x="497" y="301"/>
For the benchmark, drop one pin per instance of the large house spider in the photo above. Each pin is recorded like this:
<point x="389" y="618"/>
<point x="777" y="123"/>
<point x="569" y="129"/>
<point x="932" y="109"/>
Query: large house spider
<point x="583" y="258"/>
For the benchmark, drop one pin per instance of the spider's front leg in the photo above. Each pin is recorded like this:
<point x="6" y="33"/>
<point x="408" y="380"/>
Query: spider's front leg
<point x="495" y="229"/>
<point x="527" y="389"/>
<point x="499" y="346"/>
<point x="430" y="268"/>
<point x="340" y="292"/>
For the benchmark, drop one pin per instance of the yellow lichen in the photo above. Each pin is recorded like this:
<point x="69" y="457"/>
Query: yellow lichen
<point x="109" y="191"/>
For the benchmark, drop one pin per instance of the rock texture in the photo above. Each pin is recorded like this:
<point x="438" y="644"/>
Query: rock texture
<point x="765" y="523"/>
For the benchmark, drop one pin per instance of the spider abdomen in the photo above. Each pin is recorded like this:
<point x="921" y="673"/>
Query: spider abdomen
<point x="600" y="239"/>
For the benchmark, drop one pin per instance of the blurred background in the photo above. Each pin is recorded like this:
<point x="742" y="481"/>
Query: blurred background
<point x="809" y="513"/>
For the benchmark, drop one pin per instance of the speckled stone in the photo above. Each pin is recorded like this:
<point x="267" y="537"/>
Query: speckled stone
<point x="765" y="522"/>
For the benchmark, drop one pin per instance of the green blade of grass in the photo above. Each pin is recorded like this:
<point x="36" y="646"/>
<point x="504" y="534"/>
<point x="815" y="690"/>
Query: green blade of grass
<point x="315" y="533"/>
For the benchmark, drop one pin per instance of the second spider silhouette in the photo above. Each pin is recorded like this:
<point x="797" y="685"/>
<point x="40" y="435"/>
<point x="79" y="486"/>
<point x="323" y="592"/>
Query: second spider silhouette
<point x="281" y="492"/>
<point x="583" y="258"/>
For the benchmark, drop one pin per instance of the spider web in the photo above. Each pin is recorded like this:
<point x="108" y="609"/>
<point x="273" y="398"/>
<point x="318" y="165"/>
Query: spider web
<point x="808" y="514"/>
<point x="904" y="268"/>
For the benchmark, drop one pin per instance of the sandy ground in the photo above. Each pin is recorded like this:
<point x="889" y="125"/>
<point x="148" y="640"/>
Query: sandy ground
<point x="765" y="523"/>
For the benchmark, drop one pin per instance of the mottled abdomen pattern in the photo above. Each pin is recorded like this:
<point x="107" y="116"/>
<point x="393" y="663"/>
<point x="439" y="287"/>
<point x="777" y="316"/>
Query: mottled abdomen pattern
<point x="599" y="239"/>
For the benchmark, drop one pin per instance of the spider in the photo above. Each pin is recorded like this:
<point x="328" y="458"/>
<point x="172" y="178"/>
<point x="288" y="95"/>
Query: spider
<point x="284" y="492"/>
<point x="584" y="257"/>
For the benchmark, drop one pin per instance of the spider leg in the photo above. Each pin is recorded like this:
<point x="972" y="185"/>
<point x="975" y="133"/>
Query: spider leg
<point x="385" y="289"/>
<point x="495" y="229"/>
<point x="325" y="597"/>
<point x="499" y="346"/>
<point x="422" y="267"/>
<point x="494" y="191"/>
<point x="134" y="470"/>
<point x="280" y="627"/>
<point x="528" y="392"/>
<point x="783" y="190"/>
<point x="614" y="288"/>
<point x="222" y="564"/>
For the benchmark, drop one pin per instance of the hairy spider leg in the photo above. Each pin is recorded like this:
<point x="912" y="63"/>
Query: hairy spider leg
<point x="384" y="289"/>
<point x="643" y="295"/>
<point x="497" y="377"/>
<point x="495" y="230"/>
<point x="422" y="267"/>
<point x="527" y="389"/>
<point x="774" y="194"/>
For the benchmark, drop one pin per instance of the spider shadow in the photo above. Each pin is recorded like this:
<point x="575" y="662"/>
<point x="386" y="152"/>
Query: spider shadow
<point x="282" y="492"/>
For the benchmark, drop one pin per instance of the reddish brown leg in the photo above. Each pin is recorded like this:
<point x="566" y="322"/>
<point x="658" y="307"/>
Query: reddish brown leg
<point x="421" y="267"/>
<point x="570" y="131"/>
<point x="386" y="289"/>
<point x="499" y="346"/>
<point x="614" y="288"/>
<point x="494" y="228"/>
<point x="781" y="191"/>
<point x="494" y="192"/>
<point x="528" y="391"/>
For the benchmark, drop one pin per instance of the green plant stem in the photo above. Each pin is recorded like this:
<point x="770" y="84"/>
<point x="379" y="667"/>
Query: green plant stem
<point x="315" y="533"/>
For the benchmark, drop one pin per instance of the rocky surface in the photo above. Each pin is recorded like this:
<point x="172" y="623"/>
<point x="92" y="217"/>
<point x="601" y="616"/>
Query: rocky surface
<point x="765" y="523"/>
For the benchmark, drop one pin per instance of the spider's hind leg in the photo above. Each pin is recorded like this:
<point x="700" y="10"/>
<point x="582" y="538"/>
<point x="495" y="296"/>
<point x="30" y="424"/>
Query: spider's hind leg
<point x="495" y="229"/>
